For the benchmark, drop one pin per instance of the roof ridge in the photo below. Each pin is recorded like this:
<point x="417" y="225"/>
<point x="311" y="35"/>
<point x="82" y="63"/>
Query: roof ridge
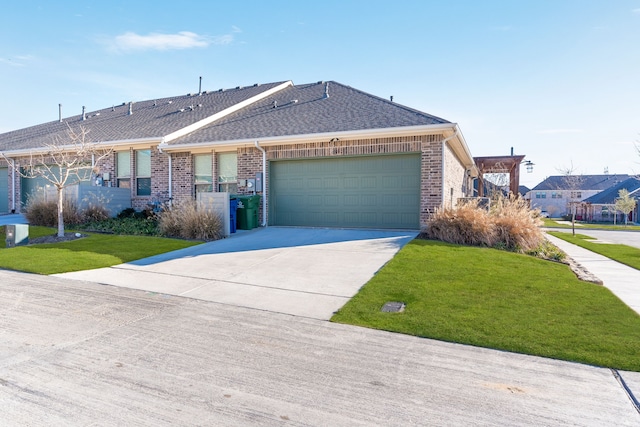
<point x="395" y="104"/>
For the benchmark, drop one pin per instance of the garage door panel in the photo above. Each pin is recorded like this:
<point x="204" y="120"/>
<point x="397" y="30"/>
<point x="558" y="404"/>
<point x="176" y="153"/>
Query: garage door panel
<point x="372" y="192"/>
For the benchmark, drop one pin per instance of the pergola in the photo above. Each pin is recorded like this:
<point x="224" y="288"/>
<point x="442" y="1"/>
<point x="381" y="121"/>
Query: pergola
<point x="499" y="164"/>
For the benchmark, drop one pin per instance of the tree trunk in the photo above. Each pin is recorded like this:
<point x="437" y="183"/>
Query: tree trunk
<point x="60" y="213"/>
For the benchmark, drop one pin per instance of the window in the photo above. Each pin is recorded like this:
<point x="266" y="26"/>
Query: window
<point x="123" y="169"/>
<point x="143" y="172"/>
<point x="555" y="195"/>
<point x="540" y="195"/>
<point x="228" y="172"/>
<point x="203" y="171"/>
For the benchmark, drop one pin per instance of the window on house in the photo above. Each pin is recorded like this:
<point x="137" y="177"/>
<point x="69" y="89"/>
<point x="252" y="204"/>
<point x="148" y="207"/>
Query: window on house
<point x="228" y="172"/>
<point x="123" y="169"/>
<point x="203" y="171"/>
<point x="143" y="172"/>
<point x="541" y="195"/>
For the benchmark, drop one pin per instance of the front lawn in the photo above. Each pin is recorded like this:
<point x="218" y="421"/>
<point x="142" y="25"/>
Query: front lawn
<point x="622" y="253"/>
<point x="553" y="223"/>
<point x="93" y="251"/>
<point x="496" y="299"/>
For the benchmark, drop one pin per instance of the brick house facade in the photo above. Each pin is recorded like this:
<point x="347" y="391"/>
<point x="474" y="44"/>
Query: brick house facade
<point x="307" y="122"/>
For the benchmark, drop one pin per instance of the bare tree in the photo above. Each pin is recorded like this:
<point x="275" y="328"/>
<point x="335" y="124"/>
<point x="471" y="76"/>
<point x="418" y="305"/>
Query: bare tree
<point x="625" y="204"/>
<point x="62" y="163"/>
<point x="573" y="183"/>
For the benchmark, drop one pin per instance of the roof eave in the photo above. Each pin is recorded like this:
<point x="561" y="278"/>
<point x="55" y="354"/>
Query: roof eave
<point x="133" y="143"/>
<point x="444" y="128"/>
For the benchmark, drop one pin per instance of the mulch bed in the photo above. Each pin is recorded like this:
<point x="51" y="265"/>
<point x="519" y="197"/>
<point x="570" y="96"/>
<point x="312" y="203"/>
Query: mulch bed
<point x="55" y="239"/>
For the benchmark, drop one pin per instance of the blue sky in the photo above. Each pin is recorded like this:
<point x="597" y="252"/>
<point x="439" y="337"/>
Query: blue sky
<point x="558" y="80"/>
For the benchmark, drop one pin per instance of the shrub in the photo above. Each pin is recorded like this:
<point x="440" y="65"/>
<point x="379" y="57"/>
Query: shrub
<point x="186" y="221"/>
<point x="96" y="209"/>
<point x="40" y="211"/>
<point x="127" y="225"/>
<point x="509" y="224"/>
<point x="466" y="225"/>
<point x="517" y="227"/>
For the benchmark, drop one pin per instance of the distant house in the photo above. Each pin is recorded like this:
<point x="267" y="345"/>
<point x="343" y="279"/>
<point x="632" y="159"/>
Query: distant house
<point x="601" y="207"/>
<point x="321" y="154"/>
<point x="556" y="194"/>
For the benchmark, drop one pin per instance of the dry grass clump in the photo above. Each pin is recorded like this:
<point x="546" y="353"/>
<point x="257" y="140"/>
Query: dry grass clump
<point x="184" y="220"/>
<point x="509" y="224"/>
<point x="40" y="211"/>
<point x="466" y="225"/>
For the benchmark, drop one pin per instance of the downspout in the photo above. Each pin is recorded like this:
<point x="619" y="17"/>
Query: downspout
<point x="264" y="184"/>
<point x="170" y="170"/>
<point x="444" y="142"/>
<point x="13" y="186"/>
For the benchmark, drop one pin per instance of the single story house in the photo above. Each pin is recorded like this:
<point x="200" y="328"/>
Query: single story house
<point x="601" y="207"/>
<point x="321" y="154"/>
<point x="557" y="194"/>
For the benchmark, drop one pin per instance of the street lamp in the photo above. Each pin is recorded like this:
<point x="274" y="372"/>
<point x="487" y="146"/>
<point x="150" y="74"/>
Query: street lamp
<point x="529" y="164"/>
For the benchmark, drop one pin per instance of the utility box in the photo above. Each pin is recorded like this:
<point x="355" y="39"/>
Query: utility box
<point x="17" y="235"/>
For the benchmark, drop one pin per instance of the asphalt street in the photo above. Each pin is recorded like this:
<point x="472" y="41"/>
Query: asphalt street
<point x="79" y="353"/>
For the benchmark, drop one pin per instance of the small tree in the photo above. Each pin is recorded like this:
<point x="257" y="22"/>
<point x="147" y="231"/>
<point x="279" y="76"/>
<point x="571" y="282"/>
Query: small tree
<point x="571" y="182"/>
<point x="625" y="203"/>
<point x="63" y="163"/>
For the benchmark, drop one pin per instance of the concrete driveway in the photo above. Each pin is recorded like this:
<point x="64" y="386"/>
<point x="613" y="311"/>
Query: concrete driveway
<point x="308" y="272"/>
<point x="79" y="354"/>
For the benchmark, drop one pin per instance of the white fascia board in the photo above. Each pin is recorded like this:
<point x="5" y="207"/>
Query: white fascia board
<point x="444" y="128"/>
<point x="139" y="142"/>
<point x="462" y="150"/>
<point x="197" y="125"/>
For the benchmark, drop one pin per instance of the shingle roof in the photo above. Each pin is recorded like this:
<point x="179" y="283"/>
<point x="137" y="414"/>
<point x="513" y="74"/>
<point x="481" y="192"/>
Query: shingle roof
<point x="150" y="119"/>
<point x="304" y="109"/>
<point x="609" y="196"/>
<point x="580" y="182"/>
<point x="301" y="109"/>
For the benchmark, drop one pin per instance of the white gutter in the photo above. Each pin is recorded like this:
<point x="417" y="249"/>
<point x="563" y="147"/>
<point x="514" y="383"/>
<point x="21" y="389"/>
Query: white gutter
<point x="264" y="184"/>
<point x="197" y="125"/>
<point x="319" y="137"/>
<point x="111" y="144"/>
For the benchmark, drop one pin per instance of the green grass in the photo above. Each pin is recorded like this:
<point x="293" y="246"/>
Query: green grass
<point x="553" y="223"/>
<point x="94" y="251"/>
<point x="622" y="253"/>
<point x="501" y="300"/>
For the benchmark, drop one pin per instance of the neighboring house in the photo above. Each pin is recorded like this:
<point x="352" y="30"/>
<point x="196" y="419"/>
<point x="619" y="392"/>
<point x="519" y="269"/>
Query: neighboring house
<point x="556" y="194"/>
<point x="320" y="154"/>
<point x="601" y="207"/>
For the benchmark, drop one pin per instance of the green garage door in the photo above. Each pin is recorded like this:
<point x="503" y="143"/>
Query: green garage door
<point x="4" y="190"/>
<point x="365" y="192"/>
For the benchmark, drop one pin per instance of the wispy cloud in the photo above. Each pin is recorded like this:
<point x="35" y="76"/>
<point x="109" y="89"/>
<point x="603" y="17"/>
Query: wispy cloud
<point x="559" y="131"/>
<point x="131" y="41"/>
<point x="636" y="11"/>
<point x="502" y="28"/>
<point x="17" y="61"/>
<point x="235" y="29"/>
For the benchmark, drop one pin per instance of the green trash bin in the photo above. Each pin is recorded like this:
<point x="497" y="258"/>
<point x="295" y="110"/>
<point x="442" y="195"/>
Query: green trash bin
<point x="247" y="213"/>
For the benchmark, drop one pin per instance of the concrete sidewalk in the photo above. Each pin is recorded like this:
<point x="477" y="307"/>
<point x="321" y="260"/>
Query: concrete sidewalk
<point x="622" y="280"/>
<point x="309" y="272"/>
